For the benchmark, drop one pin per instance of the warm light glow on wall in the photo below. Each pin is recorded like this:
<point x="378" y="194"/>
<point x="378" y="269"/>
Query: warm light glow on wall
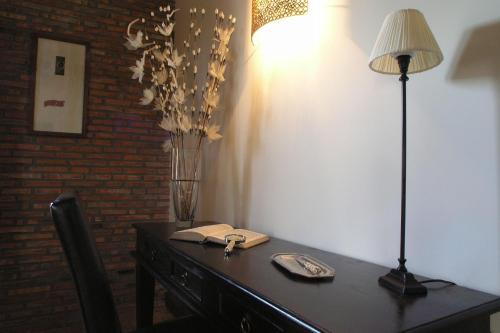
<point x="292" y="40"/>
<point x="267" y="11"/>
<point x="293" y="59"/>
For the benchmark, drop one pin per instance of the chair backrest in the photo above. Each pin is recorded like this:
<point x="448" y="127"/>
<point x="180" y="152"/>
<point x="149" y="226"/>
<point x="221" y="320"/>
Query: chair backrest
<point x="94" y="291"/>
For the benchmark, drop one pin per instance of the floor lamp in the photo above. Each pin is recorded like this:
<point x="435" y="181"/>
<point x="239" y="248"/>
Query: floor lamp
<point x="405" y="45"/>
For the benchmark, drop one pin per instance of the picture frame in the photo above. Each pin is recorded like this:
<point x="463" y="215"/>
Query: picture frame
<point x="59" y="85"/>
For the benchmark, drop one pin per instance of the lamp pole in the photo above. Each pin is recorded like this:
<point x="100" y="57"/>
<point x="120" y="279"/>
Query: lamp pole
<point x="400" y="280"/>
<point x="404" y="63"/>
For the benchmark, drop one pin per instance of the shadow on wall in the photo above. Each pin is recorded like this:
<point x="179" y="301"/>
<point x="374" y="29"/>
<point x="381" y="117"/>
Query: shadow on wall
<point x="479" y="60"/>
<point x="239" y="167"/>
<point x="251" y="147"/>
<point x="243" y="186"/>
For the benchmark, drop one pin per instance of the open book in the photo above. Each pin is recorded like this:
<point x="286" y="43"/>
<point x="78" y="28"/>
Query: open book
<point x="216" y="234"/>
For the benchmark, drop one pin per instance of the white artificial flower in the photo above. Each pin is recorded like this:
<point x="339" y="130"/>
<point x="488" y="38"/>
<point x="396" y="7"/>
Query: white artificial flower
<point x="224" y="35"/>
<point x="159" y="104"/>
<point x="175" y="76"/>
<point x="166" y="31"/>
<point x="173" y="83"/>
<point x="161" y="77"/>
<point x="134" y="41"/>
<point x="212" y="100"/>
<point x="169" y="16"/>
<point x="176" y="59"/>
<point x="161" y="56"/>
<point x="184" y="123"/>
<point x="217" y="71"/>
<point x="148" y="96"/>
<point x="168" y="124"/>
<point x="179" y="96"/>
<point x="213" y="133"/>
<point x="138" y="69"/>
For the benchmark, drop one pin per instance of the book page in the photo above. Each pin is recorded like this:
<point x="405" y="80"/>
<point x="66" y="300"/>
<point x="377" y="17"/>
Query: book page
<point x="252" y="238"/>
<point x="200" y="233"/>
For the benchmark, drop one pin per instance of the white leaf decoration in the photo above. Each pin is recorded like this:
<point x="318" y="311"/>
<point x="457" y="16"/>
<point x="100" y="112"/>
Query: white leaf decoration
<point x="161" y="56"/>
<point x="225" y="34"/>
<point x="166" y="31"/>
<point x="159" y="104"/>
<point x="185" y="123"/>
<point x="213" y="133"/>
<point x="170" y="63"/>
<point x="212" y="100"/>
<point x="179" y="96"/>
<point x="168" y="124"/>
<point x="176" y="60"/>
<point x="138" y="69"/>
<point x="148" y="97"/>
<point x="169" y="16"/>
<point x="161" y="77"/>
<point x="134" y="41"/>
<point x="217" y="71"/>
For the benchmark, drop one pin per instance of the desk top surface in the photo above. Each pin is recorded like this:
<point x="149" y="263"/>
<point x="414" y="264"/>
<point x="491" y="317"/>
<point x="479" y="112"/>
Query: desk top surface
<point x="352" y="302"/>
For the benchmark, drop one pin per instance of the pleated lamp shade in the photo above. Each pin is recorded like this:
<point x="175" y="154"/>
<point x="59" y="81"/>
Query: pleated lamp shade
<point x="405" y="32"/>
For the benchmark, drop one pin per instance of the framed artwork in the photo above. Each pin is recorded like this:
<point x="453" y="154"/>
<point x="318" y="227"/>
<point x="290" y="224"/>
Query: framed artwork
<point x="59" y="86"/>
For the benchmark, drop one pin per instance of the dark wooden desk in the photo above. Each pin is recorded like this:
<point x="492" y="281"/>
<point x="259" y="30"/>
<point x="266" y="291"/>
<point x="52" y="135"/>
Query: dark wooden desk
<point x="246" y="291"/>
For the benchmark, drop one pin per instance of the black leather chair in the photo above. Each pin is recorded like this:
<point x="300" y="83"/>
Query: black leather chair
<point x="94" y="291"/>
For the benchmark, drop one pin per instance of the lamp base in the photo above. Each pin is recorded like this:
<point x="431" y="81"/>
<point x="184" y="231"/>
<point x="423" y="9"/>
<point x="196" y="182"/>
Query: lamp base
<point x="403" y="283"/>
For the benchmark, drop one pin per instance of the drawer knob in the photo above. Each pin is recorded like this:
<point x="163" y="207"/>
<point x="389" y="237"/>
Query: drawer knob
<point x="154" y="254"/>
<point x="245" y="324"/>
<point x="184" y="279"/>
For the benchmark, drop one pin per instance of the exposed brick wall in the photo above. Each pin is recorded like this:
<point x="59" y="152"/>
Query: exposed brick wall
<point x="118" y="167"/>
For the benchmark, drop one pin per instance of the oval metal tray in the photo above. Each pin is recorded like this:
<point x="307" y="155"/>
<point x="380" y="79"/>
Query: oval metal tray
<point x="303" y="265"/>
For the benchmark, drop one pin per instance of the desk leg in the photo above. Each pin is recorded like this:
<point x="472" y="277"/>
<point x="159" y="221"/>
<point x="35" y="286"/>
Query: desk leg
<point x="144" y="297"/>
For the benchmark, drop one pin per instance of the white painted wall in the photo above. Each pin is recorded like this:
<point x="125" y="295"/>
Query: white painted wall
<point x="311" y="147"/>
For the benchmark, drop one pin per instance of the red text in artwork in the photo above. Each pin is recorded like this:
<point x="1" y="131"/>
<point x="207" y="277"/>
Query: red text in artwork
<point x="53" y="102"/>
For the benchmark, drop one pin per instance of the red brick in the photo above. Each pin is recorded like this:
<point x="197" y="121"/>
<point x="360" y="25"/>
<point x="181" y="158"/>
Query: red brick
<point x="32" y="236"/>
<point x="16" y="191"/>
<point x="118" y="167"/>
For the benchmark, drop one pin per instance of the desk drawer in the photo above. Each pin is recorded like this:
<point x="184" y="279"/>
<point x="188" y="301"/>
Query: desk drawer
<point x="151" y="251"/>
<point x="242" y="318"/>
<point x="173" y="270"/>
<point x="187" y="278"/>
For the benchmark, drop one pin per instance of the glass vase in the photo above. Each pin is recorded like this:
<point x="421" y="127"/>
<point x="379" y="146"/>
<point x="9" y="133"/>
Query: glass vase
<point x="186" y="174"/>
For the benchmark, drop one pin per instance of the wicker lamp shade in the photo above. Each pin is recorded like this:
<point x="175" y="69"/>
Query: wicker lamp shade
<point x="265" y="11"/>
<point x="405" y="32"/>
